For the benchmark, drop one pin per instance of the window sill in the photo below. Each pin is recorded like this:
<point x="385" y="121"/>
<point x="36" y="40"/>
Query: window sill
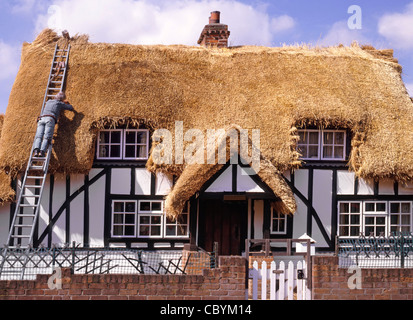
<point x="323" y="163"/>
<point x="119" y="163"/>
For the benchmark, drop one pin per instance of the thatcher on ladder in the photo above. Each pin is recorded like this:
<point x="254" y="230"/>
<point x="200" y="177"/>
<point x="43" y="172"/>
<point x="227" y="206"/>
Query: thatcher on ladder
<point x="47" y="121"/>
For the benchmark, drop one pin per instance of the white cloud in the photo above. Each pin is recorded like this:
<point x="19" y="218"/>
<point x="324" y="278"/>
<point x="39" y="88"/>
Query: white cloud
<point x="9" y="61"/>
<point x="340" y="33"/>
<point x="282" y="23"/>
<point x="397" y="28"/>
<point x="161" y="22"/>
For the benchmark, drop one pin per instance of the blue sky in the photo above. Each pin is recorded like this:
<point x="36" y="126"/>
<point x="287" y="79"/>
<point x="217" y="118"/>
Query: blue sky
<point x="381" y="23"/>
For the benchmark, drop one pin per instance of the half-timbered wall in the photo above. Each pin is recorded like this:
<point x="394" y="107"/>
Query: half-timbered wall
<point x="319" y="190"/>
<point x="79" y="207"/>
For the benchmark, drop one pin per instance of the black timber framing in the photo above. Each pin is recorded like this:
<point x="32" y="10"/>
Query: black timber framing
<point x="67" y="217"/>
<point x="334" y="215"/>
<point x="313" y="217"/>
<point x="193" y="221"/>
<point x="51" y="192"/>
<point x="308" y="201"/>
<point x="310" y="209"/>
<point x="376" y="196"/>
<point x="266" y="196"/>
<point x="107" y="239"/>
<point x="65" y="205"/>
<point x="86" y="215"/>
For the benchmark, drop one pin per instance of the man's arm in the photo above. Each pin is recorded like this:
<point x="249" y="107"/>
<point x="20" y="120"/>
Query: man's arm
<point x="67" y="106"/>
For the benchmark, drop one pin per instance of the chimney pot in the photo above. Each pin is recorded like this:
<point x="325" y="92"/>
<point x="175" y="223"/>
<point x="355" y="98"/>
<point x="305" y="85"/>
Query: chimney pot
<point x="214" y="34"/>
<point x="214" y="18"/>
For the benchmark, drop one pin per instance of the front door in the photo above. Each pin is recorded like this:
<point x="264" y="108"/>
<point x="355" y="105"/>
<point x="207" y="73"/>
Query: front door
<point x="224" y="222"/>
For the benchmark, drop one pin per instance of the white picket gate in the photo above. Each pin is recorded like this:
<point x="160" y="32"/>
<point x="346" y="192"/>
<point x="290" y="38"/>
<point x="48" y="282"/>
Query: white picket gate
<point x="284" y="281"/>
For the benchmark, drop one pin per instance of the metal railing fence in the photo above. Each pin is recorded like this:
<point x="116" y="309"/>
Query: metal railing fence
<point x="25" y="264"/>
<point x="393" y="251"/>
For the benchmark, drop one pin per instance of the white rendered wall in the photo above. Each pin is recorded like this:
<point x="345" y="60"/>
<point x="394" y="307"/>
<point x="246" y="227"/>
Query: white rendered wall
<point x="76" y="210"/>
<point x="345" y="182"/>
<point x="163" y="184"/>
<point x="223" y="183"/>
<point x="96" y="210"/>
<point x="120" y="181"/>
<point x="245" y="182"/>
<point x="4" y="223"/>
<point x="142" y="181"/>
<point x="59" y="197"/>
<point x="322" y="203"/>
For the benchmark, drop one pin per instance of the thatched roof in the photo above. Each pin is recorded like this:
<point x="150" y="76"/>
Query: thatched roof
<point x="194" y="176"/>
<point x="6" y="192"/>
<point x="271" y="89"/>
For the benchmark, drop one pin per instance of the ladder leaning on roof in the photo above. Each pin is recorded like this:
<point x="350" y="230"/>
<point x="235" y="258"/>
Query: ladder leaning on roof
<point x="28" y="203"/>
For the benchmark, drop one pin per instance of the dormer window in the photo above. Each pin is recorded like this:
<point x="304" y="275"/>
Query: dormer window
<point x="317" y="144"/>
<point x="123" y="144"/>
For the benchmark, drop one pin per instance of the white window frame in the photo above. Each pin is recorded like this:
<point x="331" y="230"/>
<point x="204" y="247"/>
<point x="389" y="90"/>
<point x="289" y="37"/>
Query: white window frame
<point x="123" y="223"/>
<point x="150" y="213"/>
<point x="307" y="145"/>
<point x="375" y="215"/>
<point x="109" y="144"/>
<point x="400" y="225"/>
<point x="375" y="225"/>
<point x="279" y="217"/>
<point x="138" y="213"/>
<point x="136" y="145"/>
<point x="386" y="214"/>
<point x="150" y="210"/>
<point x="122" y="145"/>
<point x="320" y="144"/>
<point x="349" y="225"/>
<point x="375" y="212"/>
<point x="176" y="224"/>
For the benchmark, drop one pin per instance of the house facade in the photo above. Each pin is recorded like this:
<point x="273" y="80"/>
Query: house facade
<point x="334" y="157"/>
<point x="123" y="205"/>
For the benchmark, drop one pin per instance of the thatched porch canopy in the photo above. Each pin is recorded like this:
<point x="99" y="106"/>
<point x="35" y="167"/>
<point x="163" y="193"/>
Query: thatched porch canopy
<point x="271" y="89"/>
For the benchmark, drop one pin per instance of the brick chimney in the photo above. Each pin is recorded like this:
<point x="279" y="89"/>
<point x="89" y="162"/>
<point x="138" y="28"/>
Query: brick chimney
<point x="215" y="33"/>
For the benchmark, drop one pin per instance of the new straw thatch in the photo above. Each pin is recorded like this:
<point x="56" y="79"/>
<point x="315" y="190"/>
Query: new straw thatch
<point x="6" y="192"/>
<point x="271" y="89"/>
<point x="194" y="176"/>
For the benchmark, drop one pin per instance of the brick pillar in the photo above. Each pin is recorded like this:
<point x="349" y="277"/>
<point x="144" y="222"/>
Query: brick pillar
<point x="234" y="277"/>
<point x="194" y="261"/>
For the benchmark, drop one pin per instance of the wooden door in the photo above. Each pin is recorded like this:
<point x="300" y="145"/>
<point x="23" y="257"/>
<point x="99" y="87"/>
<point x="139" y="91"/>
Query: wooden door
<point x="225" y="223"/>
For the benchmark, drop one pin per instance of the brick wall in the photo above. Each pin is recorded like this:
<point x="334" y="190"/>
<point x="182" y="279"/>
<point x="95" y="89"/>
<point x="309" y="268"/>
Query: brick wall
<point x="224" y="283"/>
<point x="227" y="282"/>
<point x="331" y="282"/>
